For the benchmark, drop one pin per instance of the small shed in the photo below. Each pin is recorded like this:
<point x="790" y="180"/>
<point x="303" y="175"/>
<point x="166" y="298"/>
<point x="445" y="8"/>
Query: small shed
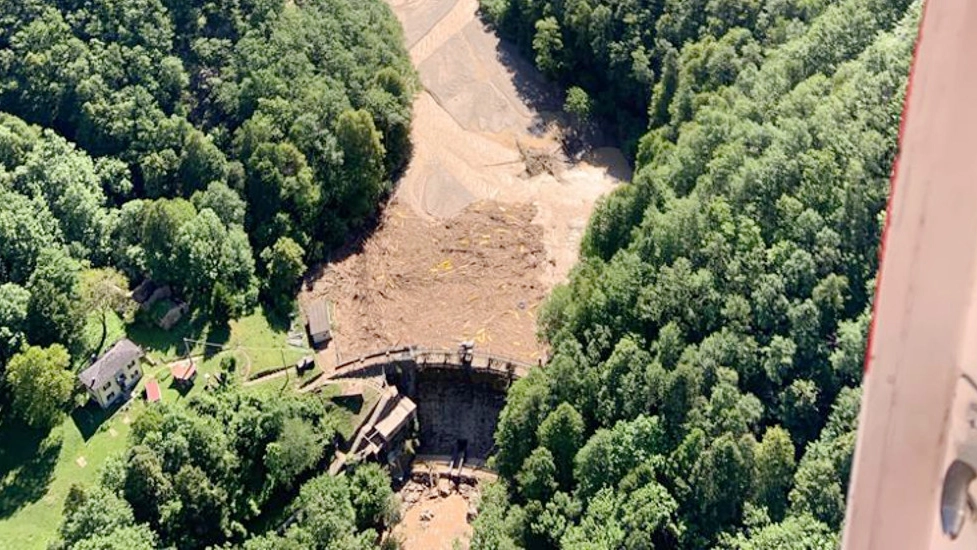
<point x="184" y="372"/>
<point x="142" y="292"/>
<point x="318" y="318"/>
<point x="174" y="311"/>
<point x="152" y="391"/>
<point x="396" y="419"/>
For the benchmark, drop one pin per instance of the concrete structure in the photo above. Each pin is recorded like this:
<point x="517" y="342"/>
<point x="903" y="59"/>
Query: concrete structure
<point x="396" y="419"/>
<point x="114" y="374"/>
<point x="385" y="362"/>
<point x="458" y="395"/>
<point x="318" y="318"/>
<point x="384" y="425"/>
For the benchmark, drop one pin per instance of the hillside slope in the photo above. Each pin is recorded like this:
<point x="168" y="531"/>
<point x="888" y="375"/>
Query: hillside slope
<point x="707" y="350"/>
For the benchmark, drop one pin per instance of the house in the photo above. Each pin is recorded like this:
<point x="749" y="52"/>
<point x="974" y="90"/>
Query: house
<point x="114" y="374"/>
<point x="318" y="315"/>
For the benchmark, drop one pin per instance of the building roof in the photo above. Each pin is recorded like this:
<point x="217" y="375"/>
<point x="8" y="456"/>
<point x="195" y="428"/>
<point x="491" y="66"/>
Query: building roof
<point x="396" y="419"/>
<point x="318" y="316"/>
<point x="110" y="363"/>
<point x="351" y="389"/>
<point x="184" y="370"/>
<point x="152" y="391"/>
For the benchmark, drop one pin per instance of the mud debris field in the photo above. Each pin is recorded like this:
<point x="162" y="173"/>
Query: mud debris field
<point x="470" y="243"/>
<point x="486" y="220"/>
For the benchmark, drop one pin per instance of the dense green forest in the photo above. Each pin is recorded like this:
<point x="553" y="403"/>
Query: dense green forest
<point x="704" y="384"/>
<point x="219" y="146"/>
<point x="195" y="475"/>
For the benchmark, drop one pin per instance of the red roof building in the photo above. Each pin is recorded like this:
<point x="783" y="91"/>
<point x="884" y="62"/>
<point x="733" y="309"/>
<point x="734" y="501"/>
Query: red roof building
<point x="152" y="391"/>
<point x="184" y="371"/>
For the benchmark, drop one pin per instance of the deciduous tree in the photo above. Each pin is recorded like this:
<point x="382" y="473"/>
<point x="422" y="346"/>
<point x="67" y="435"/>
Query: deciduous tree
<point x="41" y="384"/>
<point x="105" y="290"/>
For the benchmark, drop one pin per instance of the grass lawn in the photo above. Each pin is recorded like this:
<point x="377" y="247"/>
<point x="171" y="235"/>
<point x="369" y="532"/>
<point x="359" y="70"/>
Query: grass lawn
<point x="353" y="411"/>
<point x="36" y="470"/>
<point x="289" y="382"/>
<point x="257" y="340"/>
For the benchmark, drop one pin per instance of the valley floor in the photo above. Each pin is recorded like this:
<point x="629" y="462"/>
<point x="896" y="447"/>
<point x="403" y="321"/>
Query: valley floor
<point x="471" y="243"/>
<point x="487" y="219"/>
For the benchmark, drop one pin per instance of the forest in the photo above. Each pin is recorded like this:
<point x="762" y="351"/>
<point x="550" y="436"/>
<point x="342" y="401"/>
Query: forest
<point x="195" y="476"/>
<point x="703" y="385"/>
<point x="219" y="147"/>
<point x="706" y="360"/>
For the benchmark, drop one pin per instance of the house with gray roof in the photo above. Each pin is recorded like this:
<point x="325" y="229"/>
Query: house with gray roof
<point x="114" y="374"/>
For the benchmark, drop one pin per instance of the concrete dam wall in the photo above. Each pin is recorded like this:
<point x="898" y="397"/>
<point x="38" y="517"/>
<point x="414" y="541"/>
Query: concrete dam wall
<point x="458" y="401"/>
<point x="457" y="409"/>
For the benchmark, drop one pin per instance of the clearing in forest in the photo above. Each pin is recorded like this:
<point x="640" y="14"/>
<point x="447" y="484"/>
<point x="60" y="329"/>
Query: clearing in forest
<point x="486" y="220"/>
<point x="471" y="242"/>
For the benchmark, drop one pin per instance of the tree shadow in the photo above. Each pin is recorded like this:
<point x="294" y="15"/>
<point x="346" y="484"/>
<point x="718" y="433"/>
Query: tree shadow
<point x="546" y="97"/>
<point x="89" y="419"/>
<point x="167" y="343"/>
<point x="279" y="318"/>
<point x="27" y="461"/>
<point x="611" y="160"/>
<point x="182" y="388"/>
<point x="352" y="403"/>
<point x="218" y="333"/>
<point x="542" y="95"/>
<point x="353" y="243"/>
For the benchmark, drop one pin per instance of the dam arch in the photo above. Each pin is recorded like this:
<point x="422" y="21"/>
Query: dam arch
<point x="458" y="398"/>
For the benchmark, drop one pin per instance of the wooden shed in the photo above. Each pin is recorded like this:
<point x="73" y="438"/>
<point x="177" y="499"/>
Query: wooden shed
<point x="153" y="393"/>
<point x="318" y="318"/>
<point x="184" y="372"/>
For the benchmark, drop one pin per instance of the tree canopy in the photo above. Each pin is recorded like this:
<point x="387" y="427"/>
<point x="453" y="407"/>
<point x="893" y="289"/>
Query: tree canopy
<point x="708" y="346"/>
<point x="219" y="146"/>
<point x="41" y="384"/>
<point x="222" y="468"/>
<point x="216" y="146"/>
